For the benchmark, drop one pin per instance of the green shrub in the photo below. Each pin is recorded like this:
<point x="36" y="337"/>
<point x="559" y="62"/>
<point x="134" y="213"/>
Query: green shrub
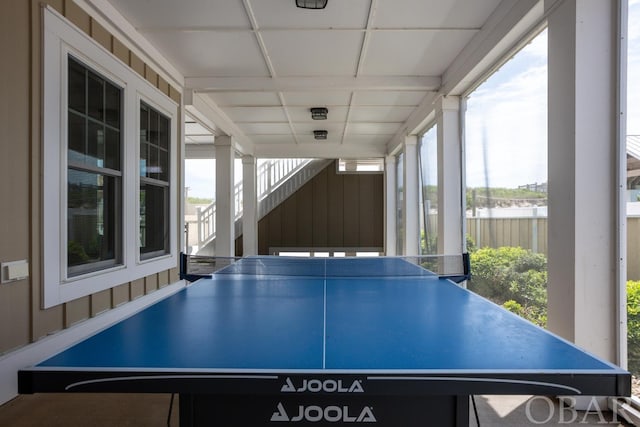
<point x="633" y="325"/>
<point x="513" y="277"/>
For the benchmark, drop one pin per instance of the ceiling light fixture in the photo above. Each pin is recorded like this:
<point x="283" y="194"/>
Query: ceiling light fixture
<point x="319" y="113"/>
<point x="311" y="4"/>
<point x="320" y="134"/>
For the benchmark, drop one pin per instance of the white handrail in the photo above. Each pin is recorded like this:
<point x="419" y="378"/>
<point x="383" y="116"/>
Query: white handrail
<point x="271" y="174"/>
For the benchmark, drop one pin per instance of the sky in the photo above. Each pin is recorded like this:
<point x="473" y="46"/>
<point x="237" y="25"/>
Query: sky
<point x="505" y="124"/>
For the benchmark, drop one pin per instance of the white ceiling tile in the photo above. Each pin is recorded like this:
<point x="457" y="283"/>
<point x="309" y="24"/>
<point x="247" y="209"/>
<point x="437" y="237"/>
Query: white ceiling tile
<point x="313" y="53"/>
<point x="318" y="99"/>
<point x="380" y="114"/>
<point x="388" y="98"/>
<point x="212" y="53"/>
<point x="337" y="14"/>
<point x="377" y="139"/>
<point x="433" y="13"/>
<point x="265" y="128"/>
<point x="146" y="14"/>
<point x="418" y="54"/>
<point x="255" y="114"/>
<point x="372" y="128"/>
<point x="273" y="139"/>
<point x="248" y="99"/>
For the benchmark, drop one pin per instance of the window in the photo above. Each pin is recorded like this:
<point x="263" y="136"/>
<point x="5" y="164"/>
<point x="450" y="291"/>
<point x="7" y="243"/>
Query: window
<point x="154" y="182"/>
<point x="109" y="169"/>
<point x="506" y="177"/>
<point x="94" y="172"/>
<point x="400" y="204"/>
<point x="428" y="178"/>
<point x="360" y="165"/>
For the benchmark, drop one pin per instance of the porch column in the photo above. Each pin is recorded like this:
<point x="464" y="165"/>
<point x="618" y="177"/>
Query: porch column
<point x="583" y="184"/>
<point x="225" y="156"/>
<point x="249" y="206"/>
<point x="450" y="214"/>
<point x="390" y="208"/>
<point x="411" y="209"/>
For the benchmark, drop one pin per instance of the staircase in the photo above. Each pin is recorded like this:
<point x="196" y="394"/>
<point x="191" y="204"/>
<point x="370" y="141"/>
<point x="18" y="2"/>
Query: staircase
<point x="276" y="179"/>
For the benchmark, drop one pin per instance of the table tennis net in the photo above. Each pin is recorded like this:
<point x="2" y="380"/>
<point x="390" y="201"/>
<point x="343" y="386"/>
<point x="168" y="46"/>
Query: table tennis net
<point x="454" y="267"/>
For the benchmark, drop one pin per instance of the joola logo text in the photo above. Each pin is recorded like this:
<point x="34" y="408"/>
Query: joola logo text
<point x="316" y="386"/>
<point x="332" y="414"/>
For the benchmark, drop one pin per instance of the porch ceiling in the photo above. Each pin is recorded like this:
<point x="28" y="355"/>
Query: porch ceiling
<point x="260" y="65"/>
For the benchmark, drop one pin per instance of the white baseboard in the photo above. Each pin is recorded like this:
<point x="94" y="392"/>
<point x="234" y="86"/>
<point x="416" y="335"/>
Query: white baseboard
<point x="32" y="354"/>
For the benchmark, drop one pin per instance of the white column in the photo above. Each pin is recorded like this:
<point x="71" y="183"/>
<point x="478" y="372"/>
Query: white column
<point x="225" y="156"/>
<point x="249" y="206"/>
<point x="390" y="221"/>
<point x="450" y="214"/>
<point x="411" y="208"/>
<point x="582" y="235"/>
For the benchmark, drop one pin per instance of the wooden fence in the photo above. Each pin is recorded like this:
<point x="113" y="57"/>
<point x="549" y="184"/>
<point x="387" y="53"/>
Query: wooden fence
<point x="531" y="233"/>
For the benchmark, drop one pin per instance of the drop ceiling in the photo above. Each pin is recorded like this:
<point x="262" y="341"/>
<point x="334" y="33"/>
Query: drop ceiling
<point x="259" y="65"/>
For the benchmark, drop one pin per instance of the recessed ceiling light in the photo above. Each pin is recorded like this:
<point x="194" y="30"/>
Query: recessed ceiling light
<point x="311" y="4"/>
<point x="319" y="113"/>
<point x="320" y="134"/>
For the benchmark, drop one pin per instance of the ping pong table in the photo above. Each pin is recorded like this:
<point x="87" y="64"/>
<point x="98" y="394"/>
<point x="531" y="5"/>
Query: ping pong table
<point x="272" y="340"/>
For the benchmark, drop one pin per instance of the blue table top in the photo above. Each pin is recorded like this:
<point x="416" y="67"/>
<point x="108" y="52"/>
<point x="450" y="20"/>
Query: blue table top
<point x="235" y="321"/>
<point x="383" y="317"/>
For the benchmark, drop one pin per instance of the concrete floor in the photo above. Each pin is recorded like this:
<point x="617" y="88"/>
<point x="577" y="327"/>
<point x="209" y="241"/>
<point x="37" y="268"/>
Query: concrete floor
<point x="142" y="410"/>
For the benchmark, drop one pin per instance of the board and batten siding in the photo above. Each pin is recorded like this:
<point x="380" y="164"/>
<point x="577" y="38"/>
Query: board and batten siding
<point x="22" y="321"/>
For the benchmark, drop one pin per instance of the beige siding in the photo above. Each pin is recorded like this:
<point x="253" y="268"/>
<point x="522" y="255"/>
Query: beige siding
<point x="22" y="320"/>
<point x="633" y="248"/>
<point x="332" y="210"/>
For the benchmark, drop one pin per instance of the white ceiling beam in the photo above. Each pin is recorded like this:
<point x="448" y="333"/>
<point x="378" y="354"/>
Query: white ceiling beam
<point x="199" y="151"/>
<point x="319" y="150"/>
<point x="310" y="84"/>
<point x="202" y="108"/>
<point x="502" y="34"/>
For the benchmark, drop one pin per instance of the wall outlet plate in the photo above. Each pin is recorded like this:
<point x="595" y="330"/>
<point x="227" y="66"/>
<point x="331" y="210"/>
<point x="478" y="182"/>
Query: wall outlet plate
<point x="14" y="270"/>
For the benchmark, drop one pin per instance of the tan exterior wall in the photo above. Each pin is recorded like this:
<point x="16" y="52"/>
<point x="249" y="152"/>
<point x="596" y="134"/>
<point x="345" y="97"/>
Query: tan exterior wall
<point x="22" y="320"/>
<point x="332" y="210"/>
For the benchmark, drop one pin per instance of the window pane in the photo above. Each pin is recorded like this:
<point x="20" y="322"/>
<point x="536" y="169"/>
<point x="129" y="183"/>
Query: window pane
<point x="77" y="138"/>
<point x="154" y="225"/>
<point x="144" y="138"/>
<point x="112" y="149"/>
<point x="95" y="86"/>
<point x="164" y="166"/>
<point x="163" y="132"/>
<point x="93" y="197"/>
<point x="76" y="87"/>
<point x="399" y="204"/>
<point x="153" y="166"/>
<point x="112" y="112"/>
<point x="153" y="127"/>
<point x="92" y="219"/>
<point x="428" y="156"/>
<point x="95" y="145"/>
<point x="506" y="177"/>
<point x="154" y="144"/>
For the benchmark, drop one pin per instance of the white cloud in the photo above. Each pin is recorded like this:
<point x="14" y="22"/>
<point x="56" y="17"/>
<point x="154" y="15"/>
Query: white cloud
<point x="506" y="123"/>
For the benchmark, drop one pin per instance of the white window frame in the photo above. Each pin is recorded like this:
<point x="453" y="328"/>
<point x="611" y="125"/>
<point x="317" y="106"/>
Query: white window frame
<point x="60" y="38"/>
